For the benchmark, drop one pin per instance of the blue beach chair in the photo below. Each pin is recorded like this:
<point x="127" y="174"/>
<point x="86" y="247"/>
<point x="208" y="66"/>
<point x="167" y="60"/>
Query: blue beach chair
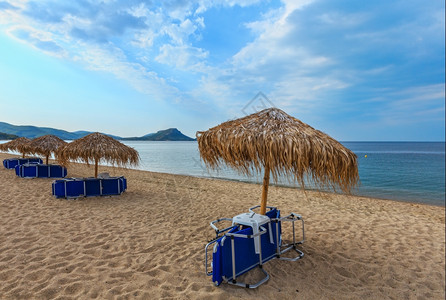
<point x="34" y="170"/>
<point x="112" y="186"/>
<point x="10" y="163"/>
<point x="239" y="248"/>
<point x="88" y="187"/>
<point x="69" y="188"/>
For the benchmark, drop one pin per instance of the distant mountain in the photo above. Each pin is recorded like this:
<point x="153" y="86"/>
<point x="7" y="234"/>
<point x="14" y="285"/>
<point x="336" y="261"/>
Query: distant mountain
<point x="6" y="136"/>
<point x="147" y="135"/>
<point x="34" y="131"/>
<point x="171" y="134"/>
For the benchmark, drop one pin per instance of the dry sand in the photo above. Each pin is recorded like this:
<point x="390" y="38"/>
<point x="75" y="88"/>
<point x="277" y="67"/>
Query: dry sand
<point x="148" y="243"/>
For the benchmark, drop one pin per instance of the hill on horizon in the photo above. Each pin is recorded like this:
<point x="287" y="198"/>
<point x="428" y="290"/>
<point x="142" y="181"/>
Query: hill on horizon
<point x="7" y="136"/>
<point x="171" y="134"/>
<point x="31" y="132"/>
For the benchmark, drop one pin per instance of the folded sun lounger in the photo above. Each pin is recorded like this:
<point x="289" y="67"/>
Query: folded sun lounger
<point x="89" y="187"/>
<point x="240" y="248"/>
<point x="10" y="163"/>
<point x="34" y="170"/>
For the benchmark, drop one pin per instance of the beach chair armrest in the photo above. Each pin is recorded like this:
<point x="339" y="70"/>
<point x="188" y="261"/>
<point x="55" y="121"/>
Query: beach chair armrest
<point x="248" y="236"/>
<point x="218" y="231"/>
<point x="294" y="216"/>
<point x="206" y="257"/>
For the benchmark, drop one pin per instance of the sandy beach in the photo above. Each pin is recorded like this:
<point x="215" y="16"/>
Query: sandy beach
<point x="149" y="242"/>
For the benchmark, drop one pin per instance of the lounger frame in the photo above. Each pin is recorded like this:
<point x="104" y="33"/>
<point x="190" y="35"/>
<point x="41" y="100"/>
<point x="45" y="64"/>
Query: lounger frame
<point x="230" y="233"/>
<point x="89" y="187"/>
<point x="33" y="170"/>
<point x="10" y="163"/>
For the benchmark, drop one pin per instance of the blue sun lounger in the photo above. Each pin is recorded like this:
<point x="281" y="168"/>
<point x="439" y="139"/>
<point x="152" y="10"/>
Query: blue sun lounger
<point x="10" y="163"/>
<point x="88" y="187"/>
<point x="35" y="170"/>
<point x="240" y="248"/>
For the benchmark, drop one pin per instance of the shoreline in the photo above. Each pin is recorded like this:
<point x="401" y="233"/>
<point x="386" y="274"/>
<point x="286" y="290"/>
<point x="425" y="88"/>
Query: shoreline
<point x="271" y="184"/>
<point x="303" y="190"/>
<point x="148" y="243"/>
<point x="399" y="199"/>
<point x="396" y="193"/>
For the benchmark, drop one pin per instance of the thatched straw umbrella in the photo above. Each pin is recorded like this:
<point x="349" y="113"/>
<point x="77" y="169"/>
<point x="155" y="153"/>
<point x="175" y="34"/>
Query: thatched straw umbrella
<point x="281" y="145"/>
<point x="95" y="147"/>
<point x="20" y="144"/>
<point x="45" y="145"/>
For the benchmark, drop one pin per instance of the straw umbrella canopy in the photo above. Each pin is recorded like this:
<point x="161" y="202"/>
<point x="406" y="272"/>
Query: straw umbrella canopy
<point x="20" y="144"/>
<point x="45" y="145"/>
<point x="95" y="147"/>
<point x="279" y="144"/>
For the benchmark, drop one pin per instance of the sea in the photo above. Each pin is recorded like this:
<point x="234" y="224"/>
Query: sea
<point x="404" y="171"/>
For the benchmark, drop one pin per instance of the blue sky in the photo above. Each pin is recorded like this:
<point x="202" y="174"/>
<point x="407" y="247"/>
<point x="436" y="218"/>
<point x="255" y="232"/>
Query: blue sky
<point x="357" y="70"/>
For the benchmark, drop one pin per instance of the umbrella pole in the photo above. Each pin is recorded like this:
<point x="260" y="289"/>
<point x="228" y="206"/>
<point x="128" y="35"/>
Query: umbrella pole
<point x="23" y="155"/>
<point x="264" y="191"/>
<point x="95" y="168"/>
<point x="47" y="159"/>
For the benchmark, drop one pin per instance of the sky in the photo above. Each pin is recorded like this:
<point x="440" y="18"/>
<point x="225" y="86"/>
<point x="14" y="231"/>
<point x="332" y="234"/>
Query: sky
<point x="356" y="70"/>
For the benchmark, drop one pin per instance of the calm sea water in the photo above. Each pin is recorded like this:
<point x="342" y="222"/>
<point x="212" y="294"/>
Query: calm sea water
<point x="407" y="171"/>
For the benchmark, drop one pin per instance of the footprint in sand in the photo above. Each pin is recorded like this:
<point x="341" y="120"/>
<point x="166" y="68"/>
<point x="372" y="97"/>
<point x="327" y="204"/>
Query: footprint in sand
<point x="343" y="272"/>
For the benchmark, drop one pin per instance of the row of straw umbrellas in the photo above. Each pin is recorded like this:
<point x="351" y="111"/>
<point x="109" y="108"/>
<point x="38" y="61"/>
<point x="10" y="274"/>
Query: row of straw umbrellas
<point x="270" y="141"/>
<point x="91" y="149"/>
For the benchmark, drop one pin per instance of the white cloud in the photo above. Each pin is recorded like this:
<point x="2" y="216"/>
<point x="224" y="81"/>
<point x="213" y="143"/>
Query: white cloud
<point x="295" y="58"/>
<point x="414" y="97"/>
<point x="144" y="39"/>
<point x="180" y="32"/>
<point x="183" y="57"/>
<point x="40" y="40"/>
<point x="204" y="5"/>
<point x="114" y="61"/>
<point x="139" y="10"/>
<point x="344" y="20"/>
<point x="122" y="38"/>
<point x="273" y="64"/>
<point x="95" y="39"/>
<point x="400" y="107"/>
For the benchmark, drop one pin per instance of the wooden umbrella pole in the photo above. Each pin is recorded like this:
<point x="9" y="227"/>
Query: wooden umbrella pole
<point x="264" y="191"/>
<point x="47" y="159"/>
<point x="95" y="168"/>
<point x="23" y="155"/>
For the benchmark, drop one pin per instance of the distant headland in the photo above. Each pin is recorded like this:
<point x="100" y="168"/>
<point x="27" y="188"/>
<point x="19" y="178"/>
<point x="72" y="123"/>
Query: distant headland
<point x="9" y="132"/>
